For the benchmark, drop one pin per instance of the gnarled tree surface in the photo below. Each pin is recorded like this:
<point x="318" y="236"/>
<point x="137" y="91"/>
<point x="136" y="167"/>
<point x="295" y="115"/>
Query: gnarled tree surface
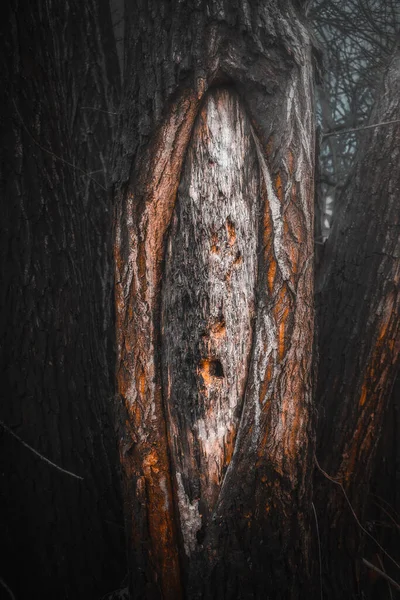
<point x="258" y="490"/>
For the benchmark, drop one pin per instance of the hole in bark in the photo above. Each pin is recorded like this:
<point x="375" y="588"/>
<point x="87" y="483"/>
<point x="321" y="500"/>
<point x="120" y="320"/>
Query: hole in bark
<point x="211" y="369"/>
<point x="200" y="535"/>
<point x="216" y="369"/>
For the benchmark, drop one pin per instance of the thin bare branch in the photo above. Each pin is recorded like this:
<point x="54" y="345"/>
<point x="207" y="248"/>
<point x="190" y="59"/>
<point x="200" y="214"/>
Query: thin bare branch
<point x="382" y="574"/>
<point x="6" y="587"/>
<point x="46" y="460"/>
<point x="388" y="582"/>
<point x="319" y="551"/>
<point x="332" y="133"/>
<point x="339" y="483"/>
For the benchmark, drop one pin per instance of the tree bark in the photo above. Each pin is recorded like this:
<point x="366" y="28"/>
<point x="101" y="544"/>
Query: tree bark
<point x="359" y="311"/>
<point x="208" y="305"/>
<point x="61" y="537"/>
<point x="238" y="527"/>
<point x="213" y="183"/>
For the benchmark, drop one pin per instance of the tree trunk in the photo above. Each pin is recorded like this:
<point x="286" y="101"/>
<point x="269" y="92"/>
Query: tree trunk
<point x="359" y="308"/>
<point x="213" y="183"/>
<point x="61" y="537"/>
<point x="214" y="272"/>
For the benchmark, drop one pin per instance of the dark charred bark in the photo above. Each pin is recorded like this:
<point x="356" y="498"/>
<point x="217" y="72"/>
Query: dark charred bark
<point x="60" y="537"/>
<point x="240" y="527"/>
<point x="359" y="308"/>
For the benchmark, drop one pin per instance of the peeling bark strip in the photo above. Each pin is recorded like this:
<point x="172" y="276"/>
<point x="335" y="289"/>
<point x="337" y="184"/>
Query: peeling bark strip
<point x="208" y="304"/>
<point x="221" y="354"/>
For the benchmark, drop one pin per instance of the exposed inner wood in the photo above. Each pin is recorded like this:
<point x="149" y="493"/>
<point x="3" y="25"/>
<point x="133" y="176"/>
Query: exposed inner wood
<point x="142" y="220"/>
<point x="208" y="305"/>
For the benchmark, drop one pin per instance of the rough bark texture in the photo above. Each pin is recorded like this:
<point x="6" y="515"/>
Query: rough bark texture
<point x="257" y="542"/>
<point x="360" y="325"/>
<point x="208" y="305"/>
<point x="214" y="257"/>
<point x="60" y="537"/>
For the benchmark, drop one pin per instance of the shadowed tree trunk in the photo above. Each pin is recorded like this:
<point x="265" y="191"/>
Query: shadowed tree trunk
<point x="359" y="308"/>
<point x="214" y="269"/>
<point x="61" y="537"/>
<point x="381" y="511"/>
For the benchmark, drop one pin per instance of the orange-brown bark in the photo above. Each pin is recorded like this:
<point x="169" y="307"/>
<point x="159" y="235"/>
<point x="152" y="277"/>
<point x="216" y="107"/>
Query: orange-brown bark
<point x="183" y="484"/>
<point x="147" y="213"/>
